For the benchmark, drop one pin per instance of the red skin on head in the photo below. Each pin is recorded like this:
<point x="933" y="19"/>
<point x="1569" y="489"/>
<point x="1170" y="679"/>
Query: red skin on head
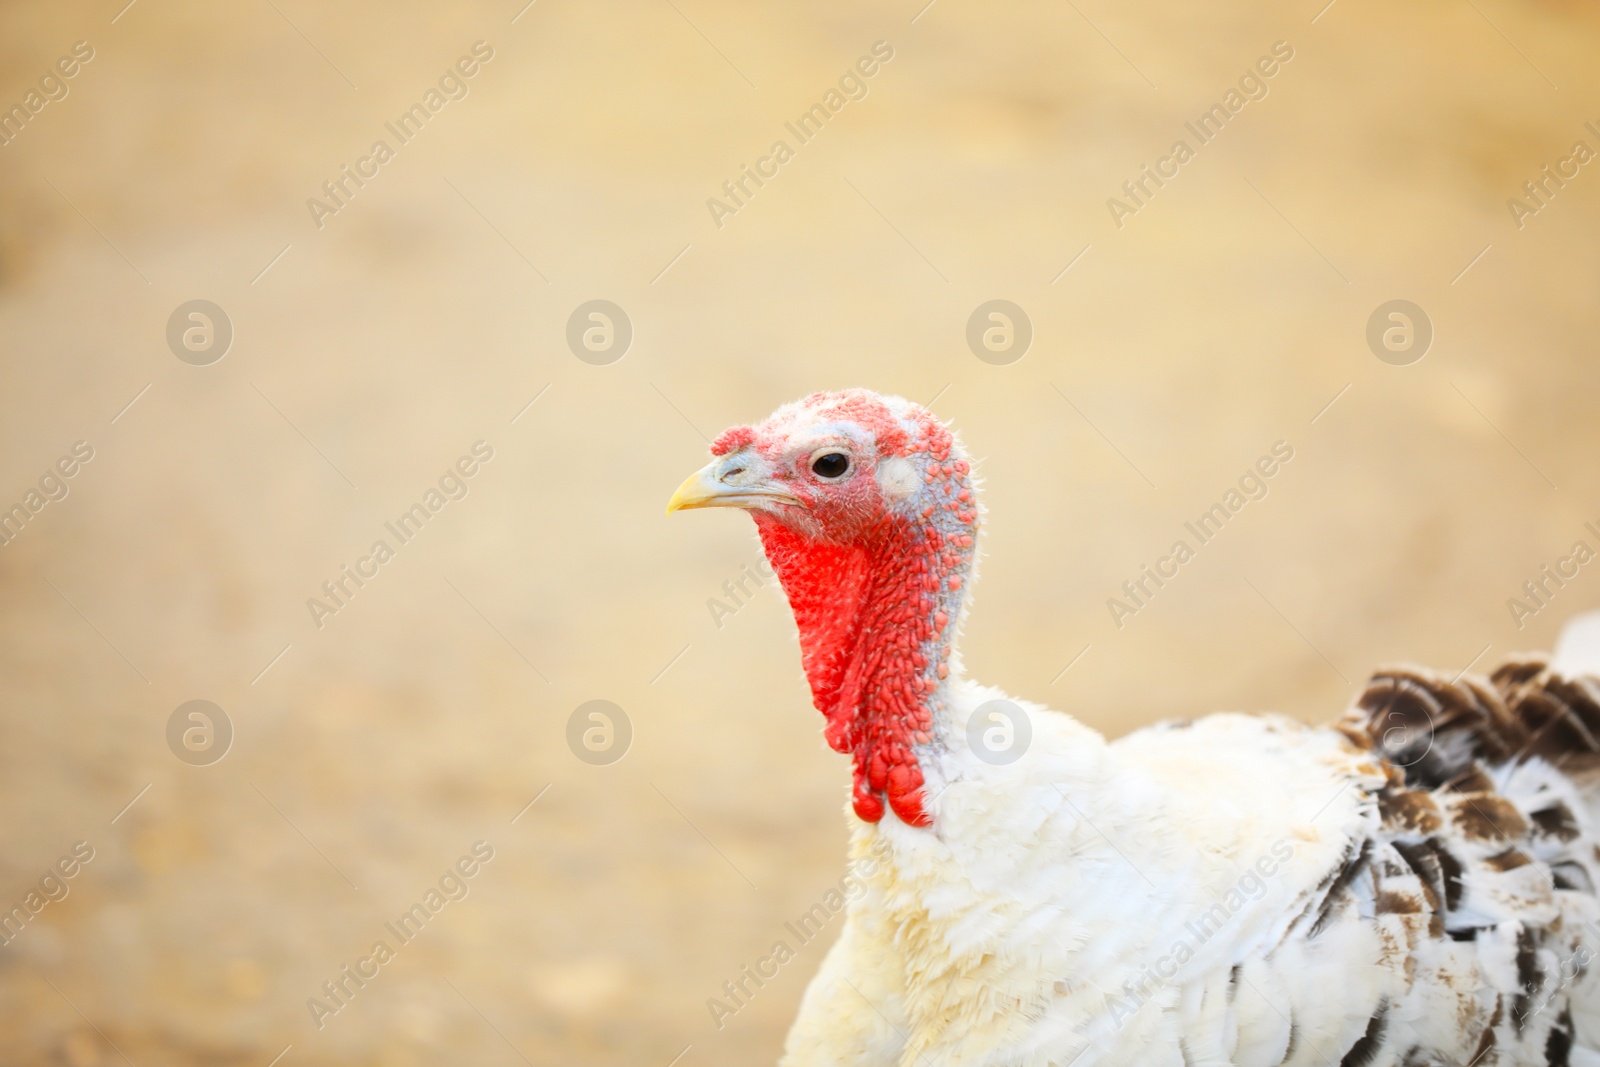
<point x="866" y="598"/>
<point x="732" y="439"/>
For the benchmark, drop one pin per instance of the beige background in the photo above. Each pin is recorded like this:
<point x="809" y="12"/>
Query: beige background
<point x="421" y="718"/>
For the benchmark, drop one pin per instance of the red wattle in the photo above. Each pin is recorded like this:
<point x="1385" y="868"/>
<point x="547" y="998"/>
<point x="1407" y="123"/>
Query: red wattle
<point x="867" y="630"/>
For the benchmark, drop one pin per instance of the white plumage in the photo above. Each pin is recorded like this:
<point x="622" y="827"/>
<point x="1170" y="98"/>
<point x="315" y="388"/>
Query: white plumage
<point x="1414" y="886"/>
<point x="1224" y="892"/>
<point x="1578" y="650"/>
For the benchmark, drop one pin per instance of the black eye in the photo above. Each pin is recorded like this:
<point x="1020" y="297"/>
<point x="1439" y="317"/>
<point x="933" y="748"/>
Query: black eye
<point x="830" y="465"/>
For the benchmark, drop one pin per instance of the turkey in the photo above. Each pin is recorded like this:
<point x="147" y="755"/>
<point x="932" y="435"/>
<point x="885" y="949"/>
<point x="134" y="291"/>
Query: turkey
<point x="1413" y="885"/>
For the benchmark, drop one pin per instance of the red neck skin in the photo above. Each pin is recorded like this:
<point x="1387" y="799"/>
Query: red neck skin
<point x="875" y="635"/>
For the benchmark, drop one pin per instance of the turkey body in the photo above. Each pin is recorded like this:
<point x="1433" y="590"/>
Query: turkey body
<point x="1413" y="886"/>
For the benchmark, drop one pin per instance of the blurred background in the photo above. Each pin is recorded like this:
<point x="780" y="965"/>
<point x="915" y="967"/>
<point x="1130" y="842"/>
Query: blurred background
<point x="348" y="757"/>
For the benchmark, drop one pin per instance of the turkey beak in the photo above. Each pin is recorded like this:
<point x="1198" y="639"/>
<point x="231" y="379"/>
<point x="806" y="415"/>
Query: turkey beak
<point x="727" y="483"/>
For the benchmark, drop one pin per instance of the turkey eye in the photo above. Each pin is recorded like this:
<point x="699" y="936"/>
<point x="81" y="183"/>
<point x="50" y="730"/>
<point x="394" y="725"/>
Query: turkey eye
<point x="830" y="465"/>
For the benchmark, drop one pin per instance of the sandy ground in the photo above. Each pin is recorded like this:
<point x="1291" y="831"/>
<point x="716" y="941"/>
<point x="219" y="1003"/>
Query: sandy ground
<point x="373" y="746"/>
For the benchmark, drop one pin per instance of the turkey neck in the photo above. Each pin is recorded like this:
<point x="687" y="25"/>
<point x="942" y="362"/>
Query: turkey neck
<point x="877" y="618"/>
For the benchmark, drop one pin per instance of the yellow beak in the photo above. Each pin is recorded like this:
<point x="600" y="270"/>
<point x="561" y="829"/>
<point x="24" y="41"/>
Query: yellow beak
<point x="706" y="489"/>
